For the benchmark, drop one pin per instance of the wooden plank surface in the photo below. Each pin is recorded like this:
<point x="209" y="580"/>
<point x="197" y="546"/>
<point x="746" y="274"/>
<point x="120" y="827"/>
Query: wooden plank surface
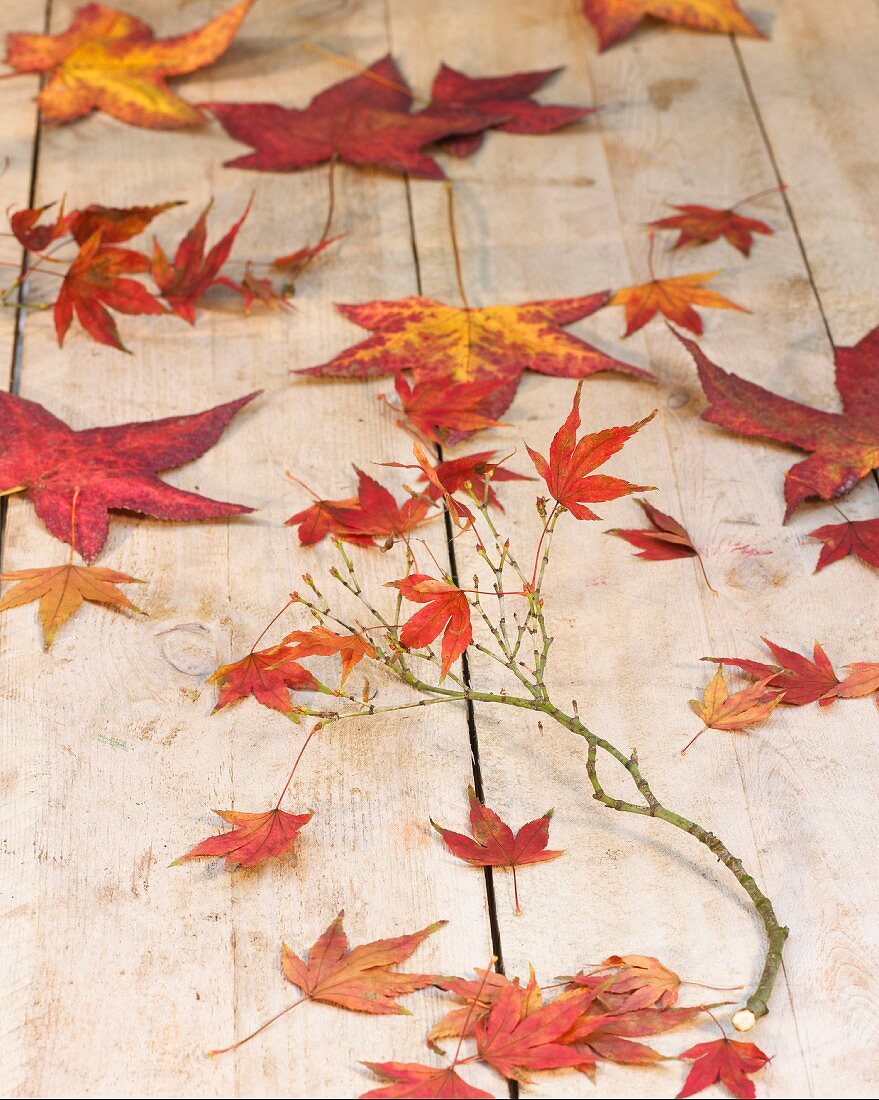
<point x="124" y="972"/>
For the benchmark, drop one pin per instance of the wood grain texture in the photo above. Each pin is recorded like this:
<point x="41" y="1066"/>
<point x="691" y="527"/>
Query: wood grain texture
<point x="123" y="972"/>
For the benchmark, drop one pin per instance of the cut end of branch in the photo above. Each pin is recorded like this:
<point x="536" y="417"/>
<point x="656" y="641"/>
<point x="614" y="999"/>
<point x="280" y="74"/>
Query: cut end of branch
<point x="744" y="1020"/>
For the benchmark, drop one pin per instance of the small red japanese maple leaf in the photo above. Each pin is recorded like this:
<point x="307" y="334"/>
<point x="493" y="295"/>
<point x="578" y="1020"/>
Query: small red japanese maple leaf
<point x="33" y="236"/>
<point x="802" y="680"/>
<point x="478" y="473"/>
<point x="269" y="675"/>
<point x="674" y="297"/>
<point x="509" y="96"/>
<point x="413" y="1079"/>
<point x="105" y="468"/>
<point x="607" y="1036"/>
<point x="699" y="225"/>
<point x="446" y="612"/>
<point x="664" y="540"/>
<point x="726" y="1061"/>
<point x="253" y="839"/>
<point x="568" y="472"/>
<point x="630" y="982"/>
<point x="843" y="446"/>
<point x="363" y="120"/>
<point x="445" y="411"/>
<point x="493" y="843"/>
<point x="371" y="518"/>
<point x="853" y="536"/>
<point x="320" y="641"/>
<point x="96" y="282"/>
<point x="185" y="281"/>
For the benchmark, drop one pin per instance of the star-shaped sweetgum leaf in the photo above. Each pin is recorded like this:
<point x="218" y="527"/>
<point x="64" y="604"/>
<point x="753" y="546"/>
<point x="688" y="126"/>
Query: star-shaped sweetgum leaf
<point x="74" y="478"/>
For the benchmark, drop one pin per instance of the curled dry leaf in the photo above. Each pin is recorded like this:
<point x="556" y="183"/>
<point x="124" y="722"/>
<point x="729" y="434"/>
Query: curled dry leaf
<point x="269" y="675"/>
<point x="61" y="590"/>
<point x="614" y="20"/>
<point x="843" y="446"/>
<point x="116" y="223"/>
<point x="446" y="612"/>
<point x="453" y="345"/>
<point x="664" y="540"/>
<point x="109" y="61"/>
<point x="413" y="1079"/>
<point x="105" y="468"/>
<point x="253" y="839"/>
<point x="371" y="518"/>
<point x="33" y="236"/>
<point x="568" y="472"/>
<point x="493" y="843"/>
<point x="853" y="536"/>
<point x="320" y="641"/>
<point x="509" y="96"/>
<point x="674" y="298"/>
<point x="364" y="120"/>
<point x="802" y="680"/>
<point x="721" y="711"/>
<point x="726" y="1061"/>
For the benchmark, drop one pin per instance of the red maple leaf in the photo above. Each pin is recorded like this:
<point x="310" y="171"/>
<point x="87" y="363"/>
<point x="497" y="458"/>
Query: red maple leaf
<point x="862" y="679"/>
<point x="269" y="675"/>
<point x="447" y="613"/>
<point x="253" y="839"/>
<point x="724" y="1060"/>
<point x="322" y="642"/>
<point x="363" y="120"/>
<point x="106" y="468"/>
<point x="493" y="843"/>
<point x="629" y="982"/>
<point x="477" y="473"/>
<point x="509" y="96"/>
<point x="853" y="536"/>
<point x="192" y="273"/>
<point x="664" y="541"/>
<point x="444" y="411"/>
<point x="97" y="282"/>
<point x="33" y="236"/>
<point x="568" y="473"/>
<point x="116" y="223"/>
<point x="843" y="446"/>
<point x="803" y="680"/>
<point x="492" y="343"/>
<point x="362" y="520"/>
<point x="412" y="1079"/>
<point x="477" y="996"/>
<point x="606" y="1036"/>
<point x="703" y="224"/>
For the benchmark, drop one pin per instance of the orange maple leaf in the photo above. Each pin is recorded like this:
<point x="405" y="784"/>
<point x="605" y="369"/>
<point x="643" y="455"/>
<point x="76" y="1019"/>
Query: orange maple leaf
<point x="674" y="298"/>
<point x="495" y="343"/>
<point x="109" y="61"/>
<point x="412" y="1079"/>
<point x="323" y="642"/>
<point x="493" y="843"/>
<point x="97" y="279"/>
<point x="568" y="472"/>
<point x="616" y="19"/>
<point x="269" y="675"/>
<point x="721" y="711"/>
<point x="254" y="838"/>
<point x="447" y="613"/>
<point x="61" y="590"/>
<point x="630" y="982"/>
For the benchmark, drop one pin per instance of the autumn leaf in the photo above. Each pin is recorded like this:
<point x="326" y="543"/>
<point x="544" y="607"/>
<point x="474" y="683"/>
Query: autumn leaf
<point x="323" y="642"/>
<point x="269" y="675"/>
<point x="843" y="447"/>
<point x="699" y="225"/>
<point x="721" y="711"/>
<point x="106" y="468"/>
<point x="192" y="273"/>
<point x="515" y="1038"/>
<point x="61" y="590"/>
<point x="509" y="96"/>
<point x="724" y="1060"/>
<point x="412" y="1079"/>
<point x="446" y="412"/>
<point x="253" y="839"/>
<point x="630" y="982"/>
<point x="664" y="540"/>
<point x="853" y="536"/>
<point x="614" y="20"/>
<point x="674" y="298"/>
<point x="97" y="282"/>
<point x="364" y="120"/>
<point x="496" y="343"/>
<point x="863" y="679"/>
<point x="291" y="263"/>
<point x="478" y="473"/>
<point x="33" y="236"/>
<point x="802" y="680"/>
<point x="477" y="996"/>
<point x="109" y="61"/>
<point x="446" y="612"/>
<point x="371" y="518"/>
<point x="493" y="843"/>
<point x="568" y="472"/>
<point x="116" y="223"/>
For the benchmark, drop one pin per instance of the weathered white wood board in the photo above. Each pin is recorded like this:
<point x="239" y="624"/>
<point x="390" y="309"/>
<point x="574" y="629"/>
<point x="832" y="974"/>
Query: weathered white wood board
<point x="122" y="972"/>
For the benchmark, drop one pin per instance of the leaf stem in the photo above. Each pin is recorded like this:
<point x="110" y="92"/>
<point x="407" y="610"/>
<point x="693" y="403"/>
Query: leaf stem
<point x="259" y="1030"/>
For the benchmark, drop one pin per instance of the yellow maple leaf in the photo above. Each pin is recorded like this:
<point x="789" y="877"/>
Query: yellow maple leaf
<point x="721" y="711"/>
<point x="616" y="19"/>
<point x="110" y="61"/>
